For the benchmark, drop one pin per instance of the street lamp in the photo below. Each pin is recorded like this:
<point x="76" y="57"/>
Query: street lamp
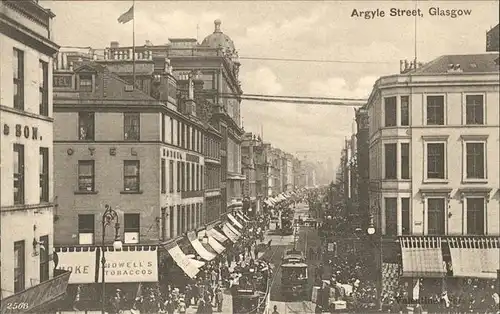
<point x="378" y="253"/>
<point x="108" y="217"/>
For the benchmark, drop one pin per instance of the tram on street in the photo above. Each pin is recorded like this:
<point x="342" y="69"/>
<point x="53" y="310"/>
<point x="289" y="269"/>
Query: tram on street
<point x="294" y="279"/>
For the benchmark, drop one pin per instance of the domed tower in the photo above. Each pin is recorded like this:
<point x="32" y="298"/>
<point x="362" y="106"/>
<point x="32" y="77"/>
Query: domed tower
<point x="218" y="39"/>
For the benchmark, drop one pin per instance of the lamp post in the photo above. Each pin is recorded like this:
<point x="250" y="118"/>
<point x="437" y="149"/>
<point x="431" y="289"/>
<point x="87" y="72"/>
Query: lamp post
<point x="108" y="217"/>
<point x="372" y="232"/>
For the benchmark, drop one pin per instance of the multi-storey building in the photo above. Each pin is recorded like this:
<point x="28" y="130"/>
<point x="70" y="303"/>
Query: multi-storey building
<point x="362" y="164"/>
<point x="140" y="153"/>
<point x="287" y="172"/>
<point x="434" y="162"/>
<point x="217" y="64"/>
<point x="28" y="281"/>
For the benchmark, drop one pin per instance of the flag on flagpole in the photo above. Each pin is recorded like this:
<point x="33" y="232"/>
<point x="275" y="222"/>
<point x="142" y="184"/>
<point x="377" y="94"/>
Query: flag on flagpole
<point x="127" y="16"/>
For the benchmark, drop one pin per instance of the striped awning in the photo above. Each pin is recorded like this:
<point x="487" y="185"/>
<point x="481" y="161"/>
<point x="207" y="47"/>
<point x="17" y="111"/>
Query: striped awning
<point x="184" y="262"/>
<point x="422" y="257"/>
<point x="199" y="248"/>
<point x="216" y="235"/>
<point x="477" y="257"/>
<point x="234" y="221"/>
<point x="240" y="216"/>
<point x="229" y="233"/>
<point x="219" y="248"/>
<point x="233" y="229"/>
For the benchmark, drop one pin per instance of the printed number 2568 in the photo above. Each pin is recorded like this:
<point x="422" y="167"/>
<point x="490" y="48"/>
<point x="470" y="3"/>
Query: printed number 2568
<point x="17" y="306"/>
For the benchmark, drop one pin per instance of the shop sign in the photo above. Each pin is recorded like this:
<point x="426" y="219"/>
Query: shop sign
<point x="192" y="158"/>
<point x="81" y="264"/>
<point x="130" y="266"/>
<point x="26" y="301"/>
<point x="22" y="131"/>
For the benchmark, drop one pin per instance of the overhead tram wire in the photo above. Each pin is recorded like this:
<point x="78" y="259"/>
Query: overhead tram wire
<point x="325" y="101"/>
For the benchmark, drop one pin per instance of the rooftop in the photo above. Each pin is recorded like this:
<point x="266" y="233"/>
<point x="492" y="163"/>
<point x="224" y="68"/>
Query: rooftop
<point x="471" y="63"/>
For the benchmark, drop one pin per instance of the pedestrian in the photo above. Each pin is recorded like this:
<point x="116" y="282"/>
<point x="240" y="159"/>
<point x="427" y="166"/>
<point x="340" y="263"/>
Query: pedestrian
<point x="219" y="298"/>
<point x="275" y="310"/>
<point x="256" y="252"/>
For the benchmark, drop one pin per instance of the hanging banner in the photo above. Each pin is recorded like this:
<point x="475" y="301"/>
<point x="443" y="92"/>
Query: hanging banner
<point x="82" y="266"/>
<point x="130" y="266"/>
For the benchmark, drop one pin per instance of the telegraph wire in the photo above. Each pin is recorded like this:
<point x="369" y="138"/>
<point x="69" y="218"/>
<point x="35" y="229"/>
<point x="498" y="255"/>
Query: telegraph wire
<point x="296" y="97"/>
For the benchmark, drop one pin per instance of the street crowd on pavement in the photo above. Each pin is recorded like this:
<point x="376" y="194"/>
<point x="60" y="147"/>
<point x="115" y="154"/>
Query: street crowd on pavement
<point x="352" y="281"/>
<point x="208" y="291"/>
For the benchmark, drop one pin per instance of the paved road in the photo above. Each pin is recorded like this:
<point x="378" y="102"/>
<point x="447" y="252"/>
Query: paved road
<point x="307" y="238"/>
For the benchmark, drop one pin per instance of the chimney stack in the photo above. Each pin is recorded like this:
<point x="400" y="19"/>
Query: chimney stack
<point x="114" y="44"/>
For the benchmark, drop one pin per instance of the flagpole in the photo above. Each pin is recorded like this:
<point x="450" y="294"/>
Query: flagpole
<point x="133" y="44"/>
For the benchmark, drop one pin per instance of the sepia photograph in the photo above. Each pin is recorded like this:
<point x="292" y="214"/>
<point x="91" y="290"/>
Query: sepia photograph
<point x="249" y="156"/>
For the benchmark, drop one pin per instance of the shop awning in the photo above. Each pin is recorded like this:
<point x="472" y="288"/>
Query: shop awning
<point x="37" y="296"/>
<point x="229" y="233"/>
<point x="233" y="229"/>
<point x="198" y="247"/>
<point x="242" y="217"/>
<point x="184" y="262"/>
<point x="216" y="235"/>
<point x="219" y="248"/>
<point x="197" y="263"/>
<point x="475" y="257"/>
<point x="422" y="257"/>
<point x="234" y="221"/>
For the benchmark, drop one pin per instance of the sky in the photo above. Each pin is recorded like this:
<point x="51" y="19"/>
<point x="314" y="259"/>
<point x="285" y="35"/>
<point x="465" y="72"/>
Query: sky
<point x="318" y="30"/>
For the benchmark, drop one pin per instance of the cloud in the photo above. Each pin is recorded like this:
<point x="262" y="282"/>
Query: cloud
<point x="339" y="87"/>
<point x="261" y="81"/>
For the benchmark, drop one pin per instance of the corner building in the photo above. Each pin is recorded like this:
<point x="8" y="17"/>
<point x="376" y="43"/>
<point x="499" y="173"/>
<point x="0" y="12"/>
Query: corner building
<point x="28" y="282"/>
<point x="434" y="163"/>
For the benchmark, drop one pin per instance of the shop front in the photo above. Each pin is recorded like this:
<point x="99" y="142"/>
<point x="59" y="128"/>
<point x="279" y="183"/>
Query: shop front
<point x="200" y="249"/>
<point x="208" y="240"/>
<point x="125" y="270"/>
<point x="231" y="233"/>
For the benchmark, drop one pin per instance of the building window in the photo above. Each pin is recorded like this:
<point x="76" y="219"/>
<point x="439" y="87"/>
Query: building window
<point x="183" y="176"/>
<point x="435" y="110"/>
<point x="391" y="161"/>
<point x="19" y="266"/>
<point x="85" y="82"/>
<point x="172" y="131"/>
<point x="18" y="174"/>
<point x="391" y="222"/>
<point x="44" y="258"/>
<point x="178" y="133"/>
<point x="179" y="176"/>
<point x="44" y="174"/>
<point x="179" y="220"/>
<point x="435" y="161"/>
<point x="164" y="223"/>
<point x="171" y="176"/>
<point x="163" y="175"/>
<point x="171" y="221"/>
<point x="197" y="188"/>
<point x="405" y="110"/>
<point x="86" y="229"/>
<point x="405" y="161"/>
<point x="390" y="111"/>
<point x="475" y="215"/>
<point x="188" y="137"/>
<point x="86" y="175"/>
<point x="193" y="139"/>
<point x="183" y="136"/>
<point x="188" y="177"/>
<point x="183" y="218"/>
<point x="475" y="160"/>
<point x="43" y="83"/>
<point x="131" y="172"/>
<point x="18" y="64"/>
<point x="131" y="126"/>
<point x="193" y="177"/>
<point x="131" y="228"/>
<point x="405" y="215"/>
<point x="188" y="218"/>
<point x="163" y="128"/>
<point x="474" y="109"/>
<point x="86" y="124"/>
<point x="435" y="216"/>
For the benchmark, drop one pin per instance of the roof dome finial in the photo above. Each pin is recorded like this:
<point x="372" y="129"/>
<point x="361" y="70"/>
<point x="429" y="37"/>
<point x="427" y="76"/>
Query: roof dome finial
<point x="217" y="23"/>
